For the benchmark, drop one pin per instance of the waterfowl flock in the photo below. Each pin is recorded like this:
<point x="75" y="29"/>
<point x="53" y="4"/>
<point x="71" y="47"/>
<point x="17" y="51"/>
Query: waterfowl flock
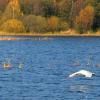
<point x="7" y="64"/>
<point x="82" y="72"/>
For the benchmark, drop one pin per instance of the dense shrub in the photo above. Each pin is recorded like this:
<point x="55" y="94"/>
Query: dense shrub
<point x="63" y="25"/>
<point x="13" y="25"/>
<point x="53" y="23"/>
<point x="35" y="23"/>
<point x="40" y="24"/>
<point x="29" y="22"/>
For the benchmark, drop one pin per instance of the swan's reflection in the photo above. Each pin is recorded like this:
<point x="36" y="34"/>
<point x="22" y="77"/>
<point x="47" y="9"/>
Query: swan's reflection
<point x="79" y="88"/>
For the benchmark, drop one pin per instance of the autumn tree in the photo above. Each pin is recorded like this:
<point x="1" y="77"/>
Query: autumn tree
<point x="13" y="25"/>
<point x="53" y="23"/>
<point x="85" y="19"/>
<point x="37" y="7"/>
<point x="12" y="11"/>
<point x="76" y="7"/>
<point x="59" y="14"/>
<point x="96" y="5"/>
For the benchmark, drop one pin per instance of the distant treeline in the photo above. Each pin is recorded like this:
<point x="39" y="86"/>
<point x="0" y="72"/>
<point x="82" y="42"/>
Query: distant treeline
<point x="49" y="15"/>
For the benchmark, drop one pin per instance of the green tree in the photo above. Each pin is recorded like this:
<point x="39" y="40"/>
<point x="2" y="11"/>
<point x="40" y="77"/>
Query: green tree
<point x="26" y="7"/>
<point x="3" y="4"/>
<point x="49" y="8"/>
<point x="41" y="24"/>
<point x="29" y="22"/>
<point x="35" y="23"/>
<point x="64" y="9"/>
<point x="63" y="25"/>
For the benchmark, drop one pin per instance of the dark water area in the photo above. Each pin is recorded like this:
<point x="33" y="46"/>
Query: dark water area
<point x="46" y="64"/>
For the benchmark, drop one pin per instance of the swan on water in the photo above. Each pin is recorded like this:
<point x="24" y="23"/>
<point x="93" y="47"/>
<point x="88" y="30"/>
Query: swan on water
<point x="82" y="73"/>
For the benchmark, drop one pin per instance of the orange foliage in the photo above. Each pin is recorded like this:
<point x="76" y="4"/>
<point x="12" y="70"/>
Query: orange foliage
<point x="27" y="2"/>
<point x="53" y="22"/>
<point x="15" y="5"/>
<point x="87" y="15"/>
<point x="15" y="2"/>
<point x="85" y="18"/>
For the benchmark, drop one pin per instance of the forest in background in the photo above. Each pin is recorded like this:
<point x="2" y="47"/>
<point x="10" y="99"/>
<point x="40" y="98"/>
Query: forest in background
<point x="41" y="16"/>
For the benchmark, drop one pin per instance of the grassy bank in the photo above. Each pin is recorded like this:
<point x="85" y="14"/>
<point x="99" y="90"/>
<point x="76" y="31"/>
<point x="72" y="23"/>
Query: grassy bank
<point x="67" y="33"/>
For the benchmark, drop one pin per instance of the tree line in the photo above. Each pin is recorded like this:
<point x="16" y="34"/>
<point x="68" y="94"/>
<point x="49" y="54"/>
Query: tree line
<point x="49" y="15"/>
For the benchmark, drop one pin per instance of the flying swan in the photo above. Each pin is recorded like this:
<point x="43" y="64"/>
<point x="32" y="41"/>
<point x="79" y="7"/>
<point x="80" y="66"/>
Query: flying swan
<point x="85" y="73"/>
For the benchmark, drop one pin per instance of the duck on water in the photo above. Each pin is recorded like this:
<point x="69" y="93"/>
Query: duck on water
<point x="6" y="65"/>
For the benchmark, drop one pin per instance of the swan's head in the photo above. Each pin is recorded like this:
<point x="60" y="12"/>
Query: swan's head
<point x="93" y="73"/>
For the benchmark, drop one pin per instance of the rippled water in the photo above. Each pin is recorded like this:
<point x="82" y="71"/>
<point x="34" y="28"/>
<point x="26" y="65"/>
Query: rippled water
<point x="46" y="64"/>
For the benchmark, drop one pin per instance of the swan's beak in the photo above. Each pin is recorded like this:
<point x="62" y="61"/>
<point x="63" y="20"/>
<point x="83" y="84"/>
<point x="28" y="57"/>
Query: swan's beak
<point x="94" y="74"/>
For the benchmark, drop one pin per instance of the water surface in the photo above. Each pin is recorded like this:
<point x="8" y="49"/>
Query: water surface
<point x="46" y="64"/>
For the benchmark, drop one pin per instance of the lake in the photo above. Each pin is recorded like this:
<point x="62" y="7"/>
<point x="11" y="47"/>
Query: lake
<point x="41" y="66"/>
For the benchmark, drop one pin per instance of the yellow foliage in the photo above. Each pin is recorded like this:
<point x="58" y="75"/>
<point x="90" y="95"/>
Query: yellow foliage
<point x="13" y="25"/>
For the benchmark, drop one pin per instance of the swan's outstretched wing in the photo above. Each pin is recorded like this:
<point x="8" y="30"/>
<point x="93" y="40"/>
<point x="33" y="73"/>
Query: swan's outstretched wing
<point x="76" y="74"/>
<point x="82" y="73"/>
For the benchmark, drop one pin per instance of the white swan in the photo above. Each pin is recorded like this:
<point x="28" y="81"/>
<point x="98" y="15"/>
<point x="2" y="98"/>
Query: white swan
<point x="82" y="73"/>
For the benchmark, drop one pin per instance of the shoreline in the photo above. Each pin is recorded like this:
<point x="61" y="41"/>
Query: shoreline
<point x="13" y="37"/>
<point x="50" y="34"/>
